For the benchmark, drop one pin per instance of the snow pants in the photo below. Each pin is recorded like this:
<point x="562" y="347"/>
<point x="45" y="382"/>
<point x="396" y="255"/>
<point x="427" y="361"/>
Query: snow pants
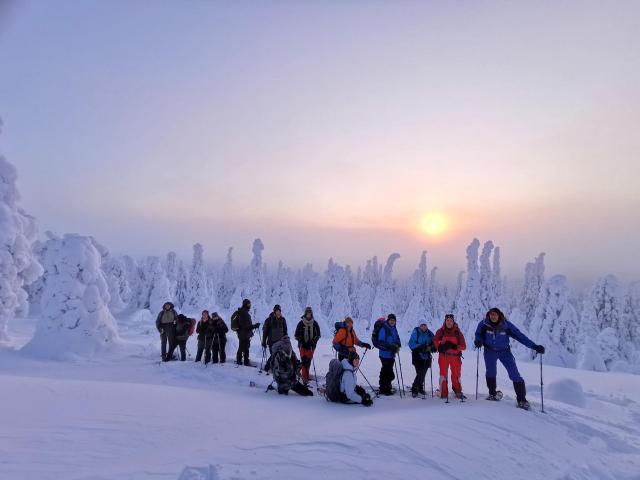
<point x="491" y="358"/>
<point x="422" y="367"/>
<point x="167" y="338"/>
<point x="204" y="346"/>
<point x="243" y="351"/>
<point x="446" y="362"/>
<point x="183" y="350"/>
<point x="218" y="349"/>
<point x="386" y="374"/>
<point x="306" y="356"/>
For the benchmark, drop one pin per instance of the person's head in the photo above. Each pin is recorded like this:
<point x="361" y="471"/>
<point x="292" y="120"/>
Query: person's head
<point x="494" y="315"/>
<point x="449" y="320"/>
<point x="167" y="306"/>
<point x="348" y="321"/>
<point x="246" y="304"/>
<point x="205" y="315"/>
<point x="277" y="311"/>
<point x="422" y="325"/>
<point x="354" y="359"/>
<point x="308" y="313"/>
<point x="215" y="316"/>
<point x="391" y="318"/>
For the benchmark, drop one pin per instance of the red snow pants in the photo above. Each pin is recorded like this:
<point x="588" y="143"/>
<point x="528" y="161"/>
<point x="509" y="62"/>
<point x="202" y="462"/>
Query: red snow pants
<point x="455" y="363"/>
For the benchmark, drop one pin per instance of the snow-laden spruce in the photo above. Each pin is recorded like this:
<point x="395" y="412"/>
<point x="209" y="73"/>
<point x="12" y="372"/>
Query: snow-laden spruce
<point x="199" y="297"/>
<point x="19" y="266"/>
<point x="469" y="303"/>
<point x="75" y="318"/>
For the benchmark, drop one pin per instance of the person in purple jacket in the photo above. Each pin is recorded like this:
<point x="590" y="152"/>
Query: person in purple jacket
<point x="493" y="333"/>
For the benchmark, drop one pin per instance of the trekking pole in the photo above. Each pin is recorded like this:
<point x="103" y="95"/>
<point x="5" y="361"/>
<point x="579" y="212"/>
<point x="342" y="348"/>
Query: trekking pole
<point x="401" y="376"/>
<point x="424" y="392"/>
<point x="477" y="371"/>
<point x="315" y="374"/>
<point x="375" y="392"/>
<point x="262" y="361"/>
<point x="541" y="386"/>
<point x="395" y="364"/>
<point x="431" y="374"/>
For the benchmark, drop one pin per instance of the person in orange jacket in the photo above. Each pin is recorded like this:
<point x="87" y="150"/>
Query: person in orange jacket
<point x="450" y="343"/>
<point x="345" y="340"/>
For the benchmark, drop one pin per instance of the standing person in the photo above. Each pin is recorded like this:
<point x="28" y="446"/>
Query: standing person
<point x="388" y="347"/>
<point x="450" y="343"/>
<point x="350" y="391"/>
<point x="204" y="329"/>
<point x="166" y="325"/>
<point x="421" y="345"/>
<point x="345" y="339"/>
<point x="307" y="334"/>
<point x="219" y="340"/>
<point x="493" y="333"/>
<point x="183" y="327"/>
<point x="241" y="323"/>
<point x="274" y="328"/>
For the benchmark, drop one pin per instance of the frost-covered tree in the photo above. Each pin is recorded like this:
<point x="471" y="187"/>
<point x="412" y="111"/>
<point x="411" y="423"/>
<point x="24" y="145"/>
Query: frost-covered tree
<point x="282" y="293"/>
<point x="555" y="323"/>
<point x="383" y="302"/>
<point x="419" y="302"/>
<point x="335" y="304"/>
<point x="487" y="295"/>
<point x="136" y="282"/>
<point x="118" y="282"/>
<point x="533" y="281"/>
<point x="469" y="307"/>
<point x="160" y="287"/>
<point x="365" y="294"/>
<point x="253" y="285"/>
<point x="75" y="318"/>
<point x="497" y="283"/>
<point x="171" y="271"/>
<point x="182" y="286"/>
<point x="199" y="296"/>
<point x="628" y="327"/>
<point x="19" y="266"/>
<point x="226" y="287"/>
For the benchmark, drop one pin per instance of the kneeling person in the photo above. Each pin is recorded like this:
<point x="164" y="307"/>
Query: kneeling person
<point x="285" y="367"/>
<point x="350" y="391"/>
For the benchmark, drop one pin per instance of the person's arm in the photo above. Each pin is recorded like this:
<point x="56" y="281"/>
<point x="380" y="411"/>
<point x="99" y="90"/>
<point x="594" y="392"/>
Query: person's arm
<point x="479" y="334"/>
<point x="438" y="338"/>
<point x="338" y="339"/>
<point x="299" y="335"/>
<point x="462" y="344"/>
<point x="266" y="328"/>
<point x="316" y="333"/>
<point x="158" y="327"/>
<point x="284" y="320"/>
<point x="519" y="336"/>
<point x="382" y="340"/>
<point x="413" y="341"/>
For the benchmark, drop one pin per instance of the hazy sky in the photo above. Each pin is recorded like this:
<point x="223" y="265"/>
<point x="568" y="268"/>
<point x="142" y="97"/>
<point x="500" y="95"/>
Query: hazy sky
<point x="331" y="128"/>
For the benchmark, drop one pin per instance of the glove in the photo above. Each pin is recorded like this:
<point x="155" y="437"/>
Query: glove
<point x="450" y="346"/>
<point x="395" y="348"/>
<point x="256" y="325"/>
<point x="441" y="348"/>
<point x="433" y="348"/>
<point x="539" y="349"/>
<point x="478" y="343"/>
<point x="365" y="345"/>
<point x="424" y="348"/>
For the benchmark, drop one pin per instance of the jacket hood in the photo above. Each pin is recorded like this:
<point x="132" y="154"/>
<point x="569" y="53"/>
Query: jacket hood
<point x="501" y="316"/>
<point x="170" y="304"/>
<point x="455" y="325"/>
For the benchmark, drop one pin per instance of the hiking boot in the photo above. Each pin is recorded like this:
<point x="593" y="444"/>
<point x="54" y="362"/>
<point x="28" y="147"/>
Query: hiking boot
<point x="459" y="395"/>
<point x="414" y="392"/>
<point x="386" y="392"/>
<point x="495" y="397"/>
<point x="524" y="404"/>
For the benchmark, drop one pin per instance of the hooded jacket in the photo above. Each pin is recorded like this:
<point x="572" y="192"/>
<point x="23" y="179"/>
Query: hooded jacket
<point x="495" y="336"/>
<point x="388" y="337"/>
<point x="421" y="341"/>
<point x="348" y="382"/>
<point x="452" y="335"/>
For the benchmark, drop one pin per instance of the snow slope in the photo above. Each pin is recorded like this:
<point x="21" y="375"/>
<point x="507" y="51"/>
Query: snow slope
<point x="126" y="417"/>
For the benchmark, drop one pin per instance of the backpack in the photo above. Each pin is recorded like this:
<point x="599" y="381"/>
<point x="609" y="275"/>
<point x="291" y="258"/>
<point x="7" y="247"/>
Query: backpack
<point x="283" y="371"/>
<point x="338" y="326"/>
<point x="192" y="327"/>
<point x="235" y="325"/>
<point x="376" y="332"/>
<point x="334" y="377"/>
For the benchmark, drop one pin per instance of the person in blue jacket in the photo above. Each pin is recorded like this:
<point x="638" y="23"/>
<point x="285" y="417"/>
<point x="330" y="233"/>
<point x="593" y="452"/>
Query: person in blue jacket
<point x="388" y="345"/>
<point x="493" y="333"/>
<point x="421" y="345"/>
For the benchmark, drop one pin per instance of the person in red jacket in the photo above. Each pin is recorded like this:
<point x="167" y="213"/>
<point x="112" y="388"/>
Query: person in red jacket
<point x="450" y="343"/>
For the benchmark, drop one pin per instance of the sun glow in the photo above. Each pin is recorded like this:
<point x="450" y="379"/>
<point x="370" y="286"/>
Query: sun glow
<point x="434" y="224"/>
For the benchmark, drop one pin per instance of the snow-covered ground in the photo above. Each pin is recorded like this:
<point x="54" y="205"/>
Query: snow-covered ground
<point x="126" y="417"/>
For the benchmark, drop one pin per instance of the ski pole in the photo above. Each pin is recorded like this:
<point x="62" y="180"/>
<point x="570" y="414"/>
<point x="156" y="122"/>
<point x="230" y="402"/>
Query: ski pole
<point x="315" y="374"/>
<point x="262" y="361"/>
<point x="395" y="364"/>
<point x="368" y="383"/>
<point x="424" y="392"/>
<point x="541" y="386"/>
<point x="431" y="374"/>
<point x="401" y="376"/>
<point x="477" y="374"/>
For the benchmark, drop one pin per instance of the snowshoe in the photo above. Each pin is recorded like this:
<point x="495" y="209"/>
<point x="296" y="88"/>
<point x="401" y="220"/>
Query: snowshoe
<point x="523" y="404"/>
<point x="460" y="396"/>
<point x="495" y="398"/>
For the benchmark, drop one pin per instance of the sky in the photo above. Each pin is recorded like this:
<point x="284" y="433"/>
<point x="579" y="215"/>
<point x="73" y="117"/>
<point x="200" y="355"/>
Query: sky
<point x="330" y="129"/>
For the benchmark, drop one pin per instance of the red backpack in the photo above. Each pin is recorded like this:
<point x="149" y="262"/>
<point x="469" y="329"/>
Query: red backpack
<point x="192" y="327"/>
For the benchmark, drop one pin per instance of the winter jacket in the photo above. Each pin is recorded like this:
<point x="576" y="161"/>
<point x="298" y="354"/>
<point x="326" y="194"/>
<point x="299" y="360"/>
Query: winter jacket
<point x="163" y="320"/>
<point x="346" y="340"/>
<point x="183" y="324"/>
<point x="219" y="329"/>
<point x="453" y="336"/>
<point x="421" y="342"/>
<point x="273" y="329"/>
<point x="496" y="336"/>
<point x="348" y="382"/>
<point x="388" y="338"/>
<point x="205" y="330"/>
<point x="245" y="324"/>
<point x="299" y="335"/>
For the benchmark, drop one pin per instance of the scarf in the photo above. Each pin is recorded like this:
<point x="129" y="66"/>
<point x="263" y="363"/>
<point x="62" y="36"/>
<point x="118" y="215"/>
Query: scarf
<point x="308" y="329"/>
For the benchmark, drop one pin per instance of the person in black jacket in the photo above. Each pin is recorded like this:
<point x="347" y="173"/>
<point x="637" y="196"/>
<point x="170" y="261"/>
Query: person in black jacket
<point x="166" y="325"/>
<point x="307" y="334"/>
<point x="241" y="323"/>
<point x="219" y="340"/>
<point x="204" y="329"/>
<point x="274" y="328"/>
<point x="183" y="325"/>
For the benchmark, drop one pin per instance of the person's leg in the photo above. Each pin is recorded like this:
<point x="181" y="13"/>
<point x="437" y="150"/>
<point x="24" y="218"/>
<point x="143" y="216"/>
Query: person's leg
<point x="491" y="370"/>
<point x="245" y="352"/>
<point x="222" y="353"/>
<point x="207" y="351"/>
<point x="509" y="362"/>
<point x="456" y="372"/>
<point x="444" y="374"/>
<point x="305" y="360"/>
<point x="163" y="344"/>
<point x="200" y="350"/>
<point x="183" y="350"/>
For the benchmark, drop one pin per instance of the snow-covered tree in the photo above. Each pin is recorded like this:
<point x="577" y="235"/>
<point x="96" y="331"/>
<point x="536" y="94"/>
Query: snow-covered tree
<point x="226" y="286"/>
<point x="419" y="302"/>
<point x="75" y="318"/>
<point x="555" y="323"/>
<point x="253" y="285"/>
<point x="487" y="295"/>
<point x="182" y="286"/>
<point x="171" y="271"/>
<point x="199" y="296"/>
<point x="335" y="303"/>
<point x="469" y="307"/>
<point x="282" y="294"/>
<point x="19" y="266"/>
<point x="160" y="287"/>
<point x="117" y="280"/>
<point x="628" y="327"/>
<point x="366" y="291"/>
<point x="383" y="303"/>
<point x="533" y="281"/>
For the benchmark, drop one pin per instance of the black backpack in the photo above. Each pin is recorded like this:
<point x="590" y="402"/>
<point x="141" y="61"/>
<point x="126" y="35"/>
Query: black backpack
<point x="376" y="332"/>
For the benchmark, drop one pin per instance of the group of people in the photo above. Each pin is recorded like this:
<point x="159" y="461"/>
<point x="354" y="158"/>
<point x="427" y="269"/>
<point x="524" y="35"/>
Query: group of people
<point x="492" y="334"/>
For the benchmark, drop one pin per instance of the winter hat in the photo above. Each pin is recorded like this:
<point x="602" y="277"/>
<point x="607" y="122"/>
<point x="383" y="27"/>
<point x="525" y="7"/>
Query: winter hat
<point x="348" y="320"/>
<point x="421" y="322"/>
<point x="276" y="308"/>
<point x="246" y="303"/>
<point x="498" y="311"/>
<point x="391" y="316"/>
<point x="308" y="310"/>
<point x="353" y="356"/>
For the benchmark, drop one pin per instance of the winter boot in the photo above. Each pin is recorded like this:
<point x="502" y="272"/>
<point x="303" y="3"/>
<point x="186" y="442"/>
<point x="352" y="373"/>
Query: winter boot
<point x="491" y="385"/>
<point x="460" y="395"/>
<point x="414" y="391"/>
<point x="521" y="395"/>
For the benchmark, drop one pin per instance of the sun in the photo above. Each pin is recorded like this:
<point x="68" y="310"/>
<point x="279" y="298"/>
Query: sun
<point x="434" y="224"/>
